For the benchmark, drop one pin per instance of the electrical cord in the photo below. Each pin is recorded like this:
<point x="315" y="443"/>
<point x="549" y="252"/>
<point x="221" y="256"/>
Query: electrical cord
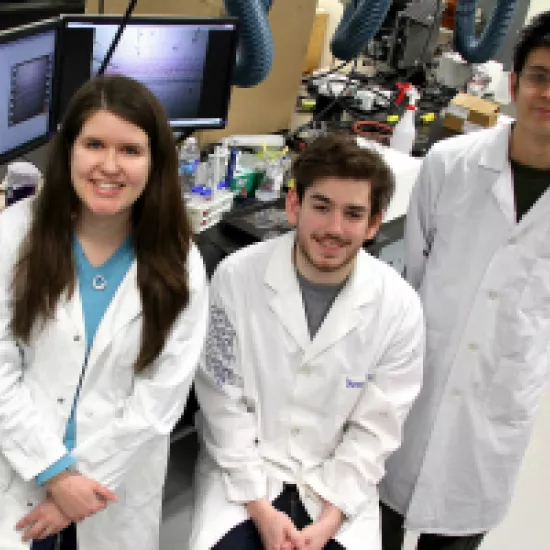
<point x="117" y="37"/>
<point x="359" y="125"/>
<point x="318" y="116"/>
<point x="322" y="75"/>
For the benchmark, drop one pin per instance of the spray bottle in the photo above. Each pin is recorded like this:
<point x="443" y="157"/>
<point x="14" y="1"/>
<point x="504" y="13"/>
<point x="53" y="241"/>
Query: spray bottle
<point x="404" y="132"/>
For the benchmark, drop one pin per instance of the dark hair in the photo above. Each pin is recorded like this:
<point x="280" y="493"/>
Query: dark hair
<point x="338" y="155"/>
<point x="160" y="230"/>
<point x="534" y="35"/>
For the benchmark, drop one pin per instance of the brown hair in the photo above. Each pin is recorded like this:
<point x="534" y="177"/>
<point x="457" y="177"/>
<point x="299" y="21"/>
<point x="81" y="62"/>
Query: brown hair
<point x="160" y="229"/>
<point x="339" y="156"/>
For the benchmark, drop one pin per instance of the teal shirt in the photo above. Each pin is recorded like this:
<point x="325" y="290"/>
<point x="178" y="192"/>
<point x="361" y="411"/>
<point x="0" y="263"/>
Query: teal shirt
<point x="94" y="305"/>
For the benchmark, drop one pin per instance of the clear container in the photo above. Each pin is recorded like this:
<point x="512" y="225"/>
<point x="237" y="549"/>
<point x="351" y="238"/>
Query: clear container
<point x="189" y="158"/>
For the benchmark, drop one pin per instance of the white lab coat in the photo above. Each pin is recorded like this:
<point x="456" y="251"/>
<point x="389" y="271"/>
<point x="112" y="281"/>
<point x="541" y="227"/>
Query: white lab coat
<point x="484" y="281"/>
<point x="278" y="406"/>
<point x="123" y="420"/>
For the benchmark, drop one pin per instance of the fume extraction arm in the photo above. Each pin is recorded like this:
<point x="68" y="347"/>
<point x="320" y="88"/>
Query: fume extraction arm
<point x="362" y="19"/>
<point x="480" y="50"/>
<point x="255" y="47"/>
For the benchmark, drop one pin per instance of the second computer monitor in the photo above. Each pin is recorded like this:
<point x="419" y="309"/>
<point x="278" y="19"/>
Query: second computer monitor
<point x="27" y="74"/>
<point x="186" y="62"/>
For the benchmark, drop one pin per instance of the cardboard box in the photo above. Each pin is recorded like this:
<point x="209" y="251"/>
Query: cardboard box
<point x="316" y="43"/>
<point x="466" y="113"/>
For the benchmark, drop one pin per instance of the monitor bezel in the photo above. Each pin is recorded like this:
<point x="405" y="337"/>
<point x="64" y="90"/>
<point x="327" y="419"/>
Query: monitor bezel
<point x="17" y="33"/>
<point x="111" y="19"/>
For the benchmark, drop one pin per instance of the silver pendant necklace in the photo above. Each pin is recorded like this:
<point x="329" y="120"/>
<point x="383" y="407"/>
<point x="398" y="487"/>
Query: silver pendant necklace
<point x="99" y="282"/>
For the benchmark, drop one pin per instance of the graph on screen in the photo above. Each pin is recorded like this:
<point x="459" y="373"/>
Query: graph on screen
<point x="30" y="89"/>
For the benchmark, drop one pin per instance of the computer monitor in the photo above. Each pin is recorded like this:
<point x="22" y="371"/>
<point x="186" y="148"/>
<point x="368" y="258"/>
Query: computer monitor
<point x="27" y="66"/>
<point x="186" y="62"/>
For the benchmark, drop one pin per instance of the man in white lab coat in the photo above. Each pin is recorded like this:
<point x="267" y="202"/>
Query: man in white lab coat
<point x="313" y="359"/>
<point x="478" y="251"/>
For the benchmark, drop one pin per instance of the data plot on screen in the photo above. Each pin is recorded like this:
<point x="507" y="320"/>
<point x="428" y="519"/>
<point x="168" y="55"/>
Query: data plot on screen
<point x="169" y="61"/>
<point x="30" y="89"/>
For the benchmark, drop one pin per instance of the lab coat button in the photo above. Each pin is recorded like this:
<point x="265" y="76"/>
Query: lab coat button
<point x="493" y="294"/>
<point x="295" y="431"/>
<point x="30" y="504"/>
<point x="455" y="392"/>
<point x="306" y="370"/>
<point x="472" y="346"/>
<point x="60" y="400"/>
<point x="76" y="338"/>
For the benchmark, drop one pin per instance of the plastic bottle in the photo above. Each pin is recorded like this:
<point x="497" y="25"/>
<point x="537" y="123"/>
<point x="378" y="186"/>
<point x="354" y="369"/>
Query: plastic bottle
<point x="404" y="132"/>
<point x="189" y="158"/>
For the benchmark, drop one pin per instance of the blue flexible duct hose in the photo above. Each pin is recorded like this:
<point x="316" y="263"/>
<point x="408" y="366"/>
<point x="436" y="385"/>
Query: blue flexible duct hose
<point x="255" y="48"/>
<point x="357" y="27"/>
<point x="481" y="50"/>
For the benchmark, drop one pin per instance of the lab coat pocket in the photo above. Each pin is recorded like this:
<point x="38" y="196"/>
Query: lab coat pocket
<point x="512" y="395"/>
<point x="535" y="297"/>
<point x="6" y="475"/>
<point x="146" y="479"/>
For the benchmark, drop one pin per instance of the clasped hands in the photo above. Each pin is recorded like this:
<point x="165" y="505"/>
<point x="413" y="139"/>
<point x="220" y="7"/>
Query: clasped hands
<point x="71" y="498"/>
<point x="278" y="532"/>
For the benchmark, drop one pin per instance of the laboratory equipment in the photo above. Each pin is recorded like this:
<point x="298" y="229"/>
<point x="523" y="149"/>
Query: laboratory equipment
<point x="27" y="69"/>
<point x="22" y="180"/>
<point x="186" y="62"/>
<point x="407" y="31"/>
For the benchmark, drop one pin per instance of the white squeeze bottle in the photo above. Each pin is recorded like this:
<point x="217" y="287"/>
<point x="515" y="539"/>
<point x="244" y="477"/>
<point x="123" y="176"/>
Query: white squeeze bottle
<point x="404" y="132"/>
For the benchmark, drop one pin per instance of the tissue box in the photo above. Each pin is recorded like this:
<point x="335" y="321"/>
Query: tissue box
<point x="467" y="113"/>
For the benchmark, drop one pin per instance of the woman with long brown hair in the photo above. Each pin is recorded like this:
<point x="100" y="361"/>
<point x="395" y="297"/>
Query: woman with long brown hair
<point x="103" y="314"/>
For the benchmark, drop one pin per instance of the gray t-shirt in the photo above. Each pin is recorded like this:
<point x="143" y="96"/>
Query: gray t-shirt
<point x="317" y="300"/>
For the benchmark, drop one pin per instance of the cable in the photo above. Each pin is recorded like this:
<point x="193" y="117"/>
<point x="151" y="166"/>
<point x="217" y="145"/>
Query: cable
<point x="318" y="116"/>
<point x="358" y="125"/>
<point x="322" y="75"/>
<point x="118" y="34"/>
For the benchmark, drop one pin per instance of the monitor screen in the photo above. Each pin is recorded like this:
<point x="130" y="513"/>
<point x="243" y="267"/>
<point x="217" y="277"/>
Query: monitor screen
<point x="186" y="62"/>
<point x="27" y="60"/>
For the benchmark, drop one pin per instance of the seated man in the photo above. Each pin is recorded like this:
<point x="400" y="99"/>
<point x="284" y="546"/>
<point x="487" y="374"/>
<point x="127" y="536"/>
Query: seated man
<point x="313" y="359"/>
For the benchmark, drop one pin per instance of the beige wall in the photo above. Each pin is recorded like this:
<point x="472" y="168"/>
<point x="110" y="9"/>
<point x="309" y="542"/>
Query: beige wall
<point x="537" y="6"/>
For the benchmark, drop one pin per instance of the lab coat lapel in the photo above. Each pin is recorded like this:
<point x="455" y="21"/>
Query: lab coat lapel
<point x="286" y="302"/>
<point x="344" y="315"/>
<point x="494" y="166"/>
<point x="124" y="308"/>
